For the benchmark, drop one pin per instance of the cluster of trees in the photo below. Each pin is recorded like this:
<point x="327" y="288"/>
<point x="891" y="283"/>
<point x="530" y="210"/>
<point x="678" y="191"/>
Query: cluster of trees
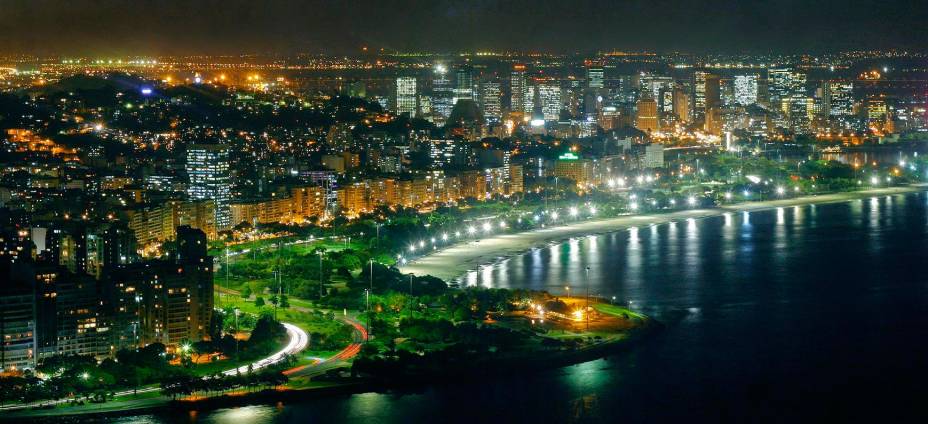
<point x="185" y="385"/>
<point x="82" y="377"/>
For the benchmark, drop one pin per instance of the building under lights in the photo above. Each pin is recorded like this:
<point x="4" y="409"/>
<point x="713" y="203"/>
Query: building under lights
<point x="406" y="96"/>
<point x="209" y="178"/>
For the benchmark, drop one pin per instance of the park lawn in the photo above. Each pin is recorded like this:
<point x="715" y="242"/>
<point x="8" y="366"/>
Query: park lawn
<point x="617" y="311"/>
<point x="307" y="321"/>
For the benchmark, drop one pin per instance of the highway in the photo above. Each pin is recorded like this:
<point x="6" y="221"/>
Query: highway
<point x="298" y="340"/>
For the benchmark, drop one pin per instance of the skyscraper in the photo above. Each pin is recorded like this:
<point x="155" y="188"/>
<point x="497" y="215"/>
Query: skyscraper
<point x="463" y="83"/>
<point x="490" y="100"/>
<point x="746" y="89"/>
<point x="595" y="76"/>
<point x="549" y="94"/>
<point x="838" y="98"/>
<point x="646" y="119"/>
<point x="442" y="94"/>
<point x="518" y="89"/>
<point x="406" y="96"/>
<point x="208" y="172"/>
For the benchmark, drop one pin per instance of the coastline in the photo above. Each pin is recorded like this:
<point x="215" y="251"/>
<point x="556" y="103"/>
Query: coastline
<point x="452" y="263"/>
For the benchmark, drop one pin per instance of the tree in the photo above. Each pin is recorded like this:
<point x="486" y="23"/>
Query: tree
<point x="259" y="302"/>
<point x="246" y="292"/>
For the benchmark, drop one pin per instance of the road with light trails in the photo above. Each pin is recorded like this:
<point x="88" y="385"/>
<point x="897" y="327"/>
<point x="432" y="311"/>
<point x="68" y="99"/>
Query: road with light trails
<point x="298" y="341"/>
<point x="336" y="360"/>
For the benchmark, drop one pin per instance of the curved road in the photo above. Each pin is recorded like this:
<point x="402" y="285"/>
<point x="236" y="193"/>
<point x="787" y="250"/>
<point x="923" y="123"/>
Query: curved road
<point x="298" y="341"/>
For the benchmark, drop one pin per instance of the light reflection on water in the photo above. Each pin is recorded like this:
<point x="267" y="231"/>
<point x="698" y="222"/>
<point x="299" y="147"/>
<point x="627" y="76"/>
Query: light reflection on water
<point x="765" y="310"/>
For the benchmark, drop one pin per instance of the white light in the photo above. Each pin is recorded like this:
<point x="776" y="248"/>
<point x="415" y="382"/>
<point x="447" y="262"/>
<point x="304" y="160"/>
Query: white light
<point x="486" y="226"/>
<point x="874" y="180"/>
<point x="433" y="240"/>
<point x="573" y="211"/>
<point x="444" y="236"/>
<point x="633" y="206"/>
<point x="457" y="234"/>
<point x="593" y="210"/>
<point x="502" y="224"/>
<point x="673" y="202"/>
<point x="780" y="190"/>
<point x="640" y="179"/>
<point x="421" y="243"/>
<point x="728" y="195"/>
<point x="747" y="193"/>
<point x="412" y="248"/>
<point x="691" y="200"/>
<point x="649" y="179"/>
<point x="471" y="230"/>
<point x="553" y="215"/>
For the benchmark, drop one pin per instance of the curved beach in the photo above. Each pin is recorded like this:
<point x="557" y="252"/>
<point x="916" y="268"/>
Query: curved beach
<point x="455" y="261"/>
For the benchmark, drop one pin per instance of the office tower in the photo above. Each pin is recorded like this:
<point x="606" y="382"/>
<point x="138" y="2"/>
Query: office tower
<point x="699" y="94"/>
<point x="745" y="89"/>
<point x="713" y="91"/>
<point x="595" y="77"/>
<point x="442" y="94"/>
<point x="518" y="89"/>
<point x="550" y="99"/>
<point x="463" y="83"/>
<point x="406" y="96"/>
<point x="801" y="112"/>
<point x="783" y="85"/>
<point x="838" y="98"/>
<point x="681" y="104"/>
<point x="209" y="178"/>
<point x="646" y="119"/>
<point x="490" y="100"/>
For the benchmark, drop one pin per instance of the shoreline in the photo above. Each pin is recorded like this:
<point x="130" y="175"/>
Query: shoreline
<point x="453" y="263"/>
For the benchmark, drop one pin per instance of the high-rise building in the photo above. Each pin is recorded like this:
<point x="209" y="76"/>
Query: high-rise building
<point x="406" y="96"/>
<point x="209" y="178"/>
<point x="595" y="77"/>
<point x="442" y="94"/>
<point x="518" y="89"/>
<point x="463" y="83"/>
<point x="490" y="104"/>
<point x="838" y="98"/>
<point x="783" y="85"/>
<point x="646" y="119"/>
<point x="549" y="94"/>
<point x="746" y="89"/>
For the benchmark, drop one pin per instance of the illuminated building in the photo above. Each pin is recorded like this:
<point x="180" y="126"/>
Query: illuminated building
<point x="490" y="104"/>
<point x="463" y="83"/>
<point x="442" y="95"/>
<point x="595" y="77"/>
<point x="176" y="296"/>
<point x="209" y="178"/>
<point x="838" y="98"/>
<point x="158" y="223"/>
<point x="549" y="94"/>
<point x="518" y="89"/>
<point x="406" y="96"/>
<point x="646" y="118"/>
<point x="745" y="89"/>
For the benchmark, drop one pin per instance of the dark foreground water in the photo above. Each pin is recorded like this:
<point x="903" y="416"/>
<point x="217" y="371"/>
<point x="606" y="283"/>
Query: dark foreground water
<point x="816" y="313"/>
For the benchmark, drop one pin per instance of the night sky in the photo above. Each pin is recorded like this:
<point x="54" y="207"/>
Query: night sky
<point x="280" y="26"/>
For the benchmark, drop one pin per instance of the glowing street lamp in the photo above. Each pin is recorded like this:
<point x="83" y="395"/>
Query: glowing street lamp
<point x="691" y="200"/>
<point x="487" y="227"/>
<point x="780" y="191"/>
<point x="573" y="211"/>
<point x="471" y="230"/>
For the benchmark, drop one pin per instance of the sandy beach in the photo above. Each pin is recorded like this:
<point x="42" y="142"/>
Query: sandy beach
<point x="455" y="261"/>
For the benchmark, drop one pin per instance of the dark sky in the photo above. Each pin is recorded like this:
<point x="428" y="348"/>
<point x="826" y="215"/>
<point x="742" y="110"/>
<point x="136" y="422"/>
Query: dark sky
<point x="99" y="27"/>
